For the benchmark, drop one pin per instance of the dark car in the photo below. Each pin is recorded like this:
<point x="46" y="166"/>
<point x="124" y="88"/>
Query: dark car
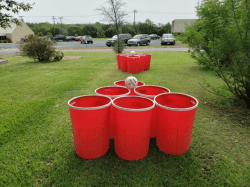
<point x="154" y="36"/>
<point x="167" y="39"/>
<point x="124" y="37"/>
<point x="86" y="39"/>
<point x="138" y="40"/>
<point x="59" y="37"/>
<point x="70" y="38"/>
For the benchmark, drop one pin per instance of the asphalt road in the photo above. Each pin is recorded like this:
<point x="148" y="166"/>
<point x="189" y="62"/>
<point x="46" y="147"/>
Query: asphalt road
<point x="12" y="48"/>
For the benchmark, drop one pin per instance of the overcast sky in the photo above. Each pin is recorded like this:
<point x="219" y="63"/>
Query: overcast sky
<point x="83" y="11"/>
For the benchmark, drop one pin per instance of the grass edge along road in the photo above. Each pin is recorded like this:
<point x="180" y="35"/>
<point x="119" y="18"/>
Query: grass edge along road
<point x="36" y="135"/>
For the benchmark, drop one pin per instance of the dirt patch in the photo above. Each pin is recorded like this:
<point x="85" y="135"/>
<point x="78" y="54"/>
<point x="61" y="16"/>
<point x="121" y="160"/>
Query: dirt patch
<point x="72" y="57"/>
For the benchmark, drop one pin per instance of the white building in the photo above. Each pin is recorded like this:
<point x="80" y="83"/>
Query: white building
<point x="15" y="32"/>
<point x="178" y="25"/>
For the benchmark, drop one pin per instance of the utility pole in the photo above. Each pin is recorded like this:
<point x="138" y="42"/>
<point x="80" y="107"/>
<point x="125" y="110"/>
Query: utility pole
<point x="53" y="17"/>
<point x="60" y="19"/>
<point x="135" y="11"/>
<point x="21" y="17"/>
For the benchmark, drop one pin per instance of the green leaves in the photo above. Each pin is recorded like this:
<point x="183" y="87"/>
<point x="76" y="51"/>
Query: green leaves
<point x="221" y="41"/>
<point x="13" y="6"/>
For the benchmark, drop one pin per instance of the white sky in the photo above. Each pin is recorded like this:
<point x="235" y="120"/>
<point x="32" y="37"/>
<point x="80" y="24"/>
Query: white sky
<point x="83" y="11"/>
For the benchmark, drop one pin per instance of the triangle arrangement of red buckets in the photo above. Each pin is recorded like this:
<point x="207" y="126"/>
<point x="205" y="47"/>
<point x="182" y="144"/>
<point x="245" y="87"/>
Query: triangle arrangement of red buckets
<point x="132" y="113"/>
<point x="133" y="63"/>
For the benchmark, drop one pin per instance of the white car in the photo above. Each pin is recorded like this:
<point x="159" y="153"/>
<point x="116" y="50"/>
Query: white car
<point x="167" y="39"/>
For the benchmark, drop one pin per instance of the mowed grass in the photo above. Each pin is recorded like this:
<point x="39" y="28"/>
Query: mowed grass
<point x="37" y="147"/>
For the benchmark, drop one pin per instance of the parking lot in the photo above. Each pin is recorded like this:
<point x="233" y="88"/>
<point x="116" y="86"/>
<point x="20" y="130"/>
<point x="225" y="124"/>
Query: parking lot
<point x="69" y="44"/>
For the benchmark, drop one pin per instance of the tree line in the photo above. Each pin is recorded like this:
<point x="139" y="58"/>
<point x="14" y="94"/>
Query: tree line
<point x="99" y="30"/>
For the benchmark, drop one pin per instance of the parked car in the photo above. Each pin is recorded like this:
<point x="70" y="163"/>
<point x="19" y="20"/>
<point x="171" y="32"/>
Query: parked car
<point x="113" y="40"/>
<point x="70" y="38"/>
<point x="78" y="38"/>
<point x="59" y="37"/>
<point x="154" y="36"/>
<point x="138" y="40"/>
<point x="86" y="39"/>
<point x="167" y="39"/>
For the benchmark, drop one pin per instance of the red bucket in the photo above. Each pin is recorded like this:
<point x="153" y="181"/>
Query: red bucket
<point x="132" y="131"/>
<point x="122" y="83"/>
<point x="118" y="57"/>
<point x="141" y="62"/>
<point x="90" y="122"/>
<point x="123" y="64"/>
<point x="150" y="92"/>
<point x="112" y="92"/>
<point x="175" y="113"/>
<point x="147" y="61"/>
<point x="132" y="64"/>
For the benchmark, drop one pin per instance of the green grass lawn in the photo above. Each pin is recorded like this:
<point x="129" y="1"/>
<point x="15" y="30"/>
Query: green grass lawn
<point x="37" y="146"/>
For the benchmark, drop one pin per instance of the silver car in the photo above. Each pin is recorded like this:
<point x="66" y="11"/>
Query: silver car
<point x="86" y="39"/>
<point x="138" y="40"/>
<point x="167" y="39"/>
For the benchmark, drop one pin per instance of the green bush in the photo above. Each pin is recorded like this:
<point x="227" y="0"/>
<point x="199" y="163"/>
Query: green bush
<point x="220" y="39"/>
<point x="40" y="48"/>
<point x="58" y="55"/>
<point x="119" y="46"/>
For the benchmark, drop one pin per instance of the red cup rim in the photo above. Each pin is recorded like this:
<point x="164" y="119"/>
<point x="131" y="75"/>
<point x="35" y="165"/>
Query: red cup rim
<point x="144" y="95"/>
<point x="113" y="95"/>
<point x="177" y="109"/>
<point x="89" y="108"/>
<point x="125" y="86"/>
<point x="131" y="109"/>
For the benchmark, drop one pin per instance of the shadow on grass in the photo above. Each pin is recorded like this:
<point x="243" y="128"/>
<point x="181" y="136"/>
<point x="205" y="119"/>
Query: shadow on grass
<point x="156" y="169"/>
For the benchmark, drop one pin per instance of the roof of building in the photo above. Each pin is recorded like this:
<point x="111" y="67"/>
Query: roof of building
<point x="10" y="29"/>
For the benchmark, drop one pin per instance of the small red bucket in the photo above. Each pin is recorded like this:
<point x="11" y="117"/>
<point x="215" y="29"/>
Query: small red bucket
<point x="150" y="91"/>
<point x="132" y="64"/>
<point x="141" y="62"/>
<point x="90" y="122"/>
<point x="132" y="131"/>
<point x="175" y="113"/>
<point x="123" y="64"/>
<point x="147" y="62"/>
<point x="122" y="83"/>
<point x="112" y="92"/>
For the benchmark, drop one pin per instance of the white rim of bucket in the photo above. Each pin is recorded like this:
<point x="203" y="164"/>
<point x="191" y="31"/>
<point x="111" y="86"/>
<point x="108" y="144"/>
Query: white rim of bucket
<point x="125" y="86"/>
<point x="89" y="108"/>
<point x="177" y="109"/>
<point x="133" y="56"/>
<point x="130" y="109"/>
<point x="113" y="95"/>
<point x="144" y="95"/>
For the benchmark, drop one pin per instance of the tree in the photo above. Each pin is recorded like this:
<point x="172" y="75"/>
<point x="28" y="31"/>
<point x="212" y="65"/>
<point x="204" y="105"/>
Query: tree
<point x="113" y="14"/>
<point x="13" y="6"/>
<point x="221" y="41"/>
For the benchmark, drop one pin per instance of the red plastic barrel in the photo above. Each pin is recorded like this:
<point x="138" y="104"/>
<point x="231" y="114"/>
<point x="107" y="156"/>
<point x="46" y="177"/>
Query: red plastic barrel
<point x="123" y="64"/>
<point x="175" y="113"/>
<point x="147" y="61"/>
<point x="150" y="91"/>
<point x="141" y="62"/>
<point x="122" y="83"/>
<point x="118" y="57"/>
<point x="132" y="64"/>
<point x="132" y="131"/>
<point x="112" y="92"/>
<point x="90" y="122"/>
